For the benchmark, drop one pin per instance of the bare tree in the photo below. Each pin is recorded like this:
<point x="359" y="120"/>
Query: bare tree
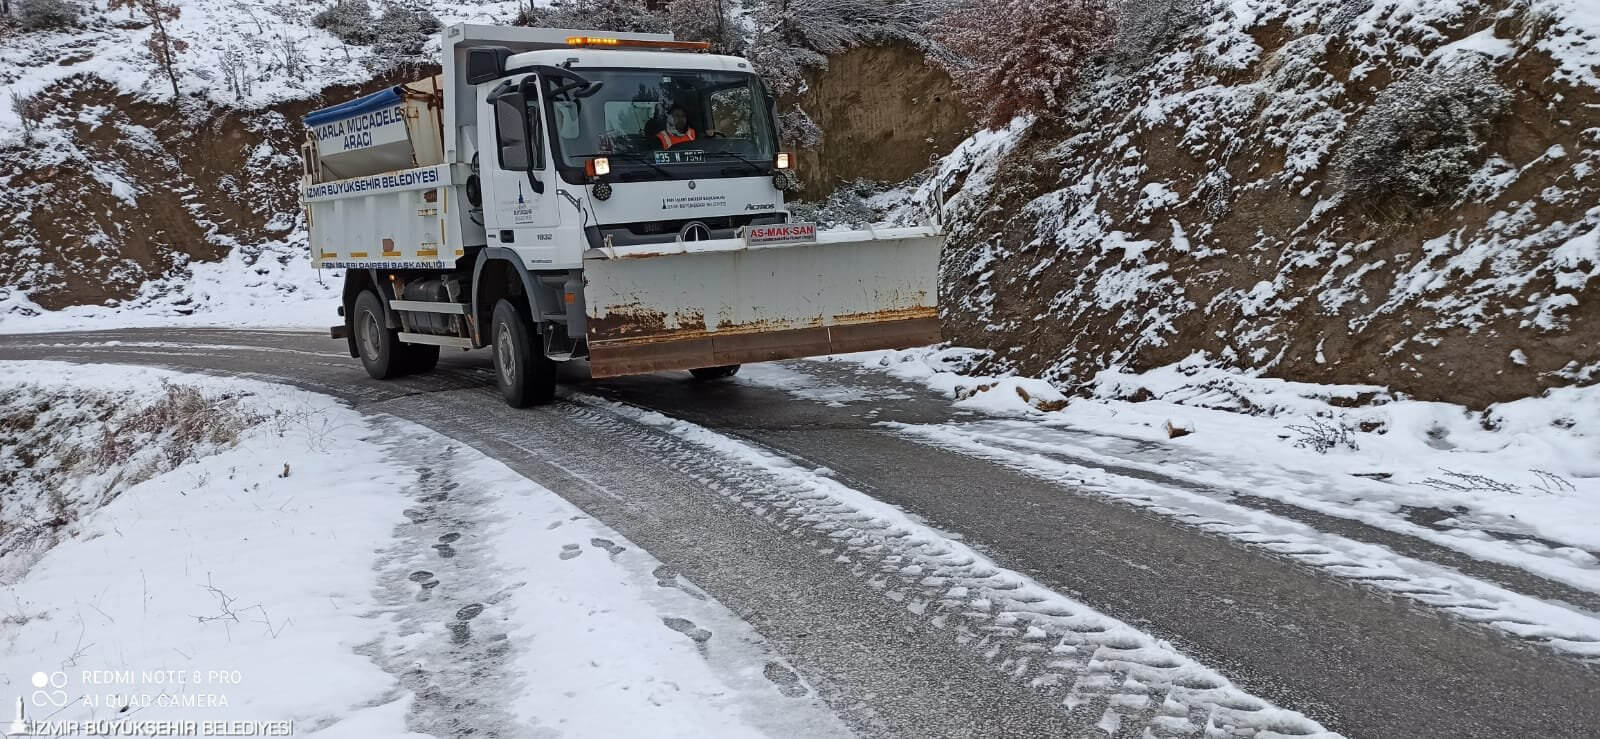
<point x="706" y="20"/>
<point x="235" y="67"/>
<point x="164" y="48"/>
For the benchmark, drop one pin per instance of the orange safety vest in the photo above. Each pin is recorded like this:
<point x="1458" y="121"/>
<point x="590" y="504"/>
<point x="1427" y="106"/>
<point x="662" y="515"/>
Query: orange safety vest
<point x="668" y="140"/>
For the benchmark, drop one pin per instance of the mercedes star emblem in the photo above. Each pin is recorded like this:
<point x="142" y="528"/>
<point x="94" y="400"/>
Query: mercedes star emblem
<point x="695" y="231"/>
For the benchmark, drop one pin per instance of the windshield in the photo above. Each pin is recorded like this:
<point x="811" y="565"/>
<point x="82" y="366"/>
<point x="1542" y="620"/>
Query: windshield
<point x="663" y="124"/>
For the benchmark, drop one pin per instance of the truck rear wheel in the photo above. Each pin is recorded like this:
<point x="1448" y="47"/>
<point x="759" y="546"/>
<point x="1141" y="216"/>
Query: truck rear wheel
<point x="378" y="345"/>
<point x="525" y="375"/>
<point x="715" y="373"/>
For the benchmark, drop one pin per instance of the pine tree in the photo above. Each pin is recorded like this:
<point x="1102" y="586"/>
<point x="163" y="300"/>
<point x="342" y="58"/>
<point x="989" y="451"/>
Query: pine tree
<point x="1016" y="57"/>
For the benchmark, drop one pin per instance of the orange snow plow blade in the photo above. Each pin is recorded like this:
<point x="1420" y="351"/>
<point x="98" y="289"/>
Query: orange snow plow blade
<point x="705" y="304"/>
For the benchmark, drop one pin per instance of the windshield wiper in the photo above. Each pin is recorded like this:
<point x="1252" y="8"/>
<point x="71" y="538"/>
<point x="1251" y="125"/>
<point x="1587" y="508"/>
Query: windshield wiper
<point x="752" y="165"/>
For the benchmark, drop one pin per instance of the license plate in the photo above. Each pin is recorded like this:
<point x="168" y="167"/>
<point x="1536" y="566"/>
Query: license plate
<point x="680" y="157"/>
<point x="782" y="233"/>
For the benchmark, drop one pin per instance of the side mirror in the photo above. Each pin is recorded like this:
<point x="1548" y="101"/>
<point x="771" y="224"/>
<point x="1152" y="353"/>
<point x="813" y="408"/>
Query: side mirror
<point x="486" y="64"/>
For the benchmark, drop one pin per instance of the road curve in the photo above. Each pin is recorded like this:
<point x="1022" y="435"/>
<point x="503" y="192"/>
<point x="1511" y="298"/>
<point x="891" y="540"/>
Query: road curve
<point x="1358" y="661"/>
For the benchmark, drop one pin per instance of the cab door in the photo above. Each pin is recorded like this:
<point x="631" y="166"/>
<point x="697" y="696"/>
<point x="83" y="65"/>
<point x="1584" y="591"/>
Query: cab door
<point x="514" y="166"/>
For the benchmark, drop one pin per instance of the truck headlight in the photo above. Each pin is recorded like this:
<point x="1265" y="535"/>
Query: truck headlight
<point x="601" y="190"/>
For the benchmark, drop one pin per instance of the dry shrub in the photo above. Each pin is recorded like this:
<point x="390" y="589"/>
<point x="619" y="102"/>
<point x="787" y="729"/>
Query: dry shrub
<point x="715" y="21"/>
<point x="350" y="20"/>
<point x="66" y="452"/>
<point x="1148" y="28"/>
<point x="40" y="15"/>
<point x="184" y="419"/>
<point x="1424" y="136"/>
<point x="1323" y="436"/>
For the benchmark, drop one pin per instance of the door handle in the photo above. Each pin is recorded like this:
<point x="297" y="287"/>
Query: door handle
<point x="507" y="236"/>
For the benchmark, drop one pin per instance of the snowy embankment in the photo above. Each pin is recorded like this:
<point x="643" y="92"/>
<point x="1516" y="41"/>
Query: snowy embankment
<point x="1396" y="192"/>
<point x="271" y="285"/>
<point x="213" y="549"/>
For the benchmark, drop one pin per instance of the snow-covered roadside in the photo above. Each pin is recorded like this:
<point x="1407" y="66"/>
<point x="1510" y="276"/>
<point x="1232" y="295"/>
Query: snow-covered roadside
<point x="220" y="590"/>
<point x="299" y="576"/>
<point x="1518" y="483"/>
<point x="268" y="286"/>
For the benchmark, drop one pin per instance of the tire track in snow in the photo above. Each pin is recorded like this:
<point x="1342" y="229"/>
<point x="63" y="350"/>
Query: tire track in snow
<point x="1547" y="575"/>
<point x="1111" y="678"/>
<point x="1569" y="632"/>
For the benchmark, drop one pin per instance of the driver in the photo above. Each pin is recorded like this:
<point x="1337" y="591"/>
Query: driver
<point x="678" y="130"/>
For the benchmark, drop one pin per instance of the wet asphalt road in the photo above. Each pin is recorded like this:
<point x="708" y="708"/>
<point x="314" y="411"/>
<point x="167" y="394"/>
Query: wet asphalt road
<point x="1362" y="663"/>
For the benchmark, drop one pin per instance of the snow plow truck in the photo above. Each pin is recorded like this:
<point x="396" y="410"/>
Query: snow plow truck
<point x="617" y="198"/>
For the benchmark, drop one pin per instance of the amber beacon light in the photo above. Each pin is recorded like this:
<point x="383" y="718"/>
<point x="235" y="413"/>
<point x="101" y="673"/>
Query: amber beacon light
<point x="607" y="42"/>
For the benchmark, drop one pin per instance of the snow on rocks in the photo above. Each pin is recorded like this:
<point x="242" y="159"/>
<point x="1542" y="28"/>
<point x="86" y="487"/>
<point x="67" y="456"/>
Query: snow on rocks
<point x="945" y="370"/>
<point x="359" y="576"/>
<point x="99" y="220"/>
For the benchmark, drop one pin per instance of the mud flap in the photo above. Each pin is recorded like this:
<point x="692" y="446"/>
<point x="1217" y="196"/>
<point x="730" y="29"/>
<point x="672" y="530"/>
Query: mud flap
<point x="710" y="303"/>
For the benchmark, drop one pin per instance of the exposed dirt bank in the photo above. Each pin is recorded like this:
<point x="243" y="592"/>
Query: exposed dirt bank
<point x="1205" y="203"/>
<point x="886" y="114"/>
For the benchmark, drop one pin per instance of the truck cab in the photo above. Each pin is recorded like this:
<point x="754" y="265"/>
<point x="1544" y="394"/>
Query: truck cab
<point x="593" y="149"/>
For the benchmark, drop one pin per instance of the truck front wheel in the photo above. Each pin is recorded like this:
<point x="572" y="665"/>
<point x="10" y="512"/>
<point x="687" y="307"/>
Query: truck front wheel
<point x="525" y="375"/>
<point x="378" y="345"/>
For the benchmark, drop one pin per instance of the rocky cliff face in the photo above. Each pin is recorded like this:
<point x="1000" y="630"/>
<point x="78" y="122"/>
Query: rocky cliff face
<point x="1380" y="191"/>
<point x="886" y="115"/>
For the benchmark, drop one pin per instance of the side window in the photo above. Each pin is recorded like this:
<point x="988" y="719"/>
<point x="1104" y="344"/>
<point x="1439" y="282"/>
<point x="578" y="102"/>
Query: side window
<point x="511" y="133"/>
